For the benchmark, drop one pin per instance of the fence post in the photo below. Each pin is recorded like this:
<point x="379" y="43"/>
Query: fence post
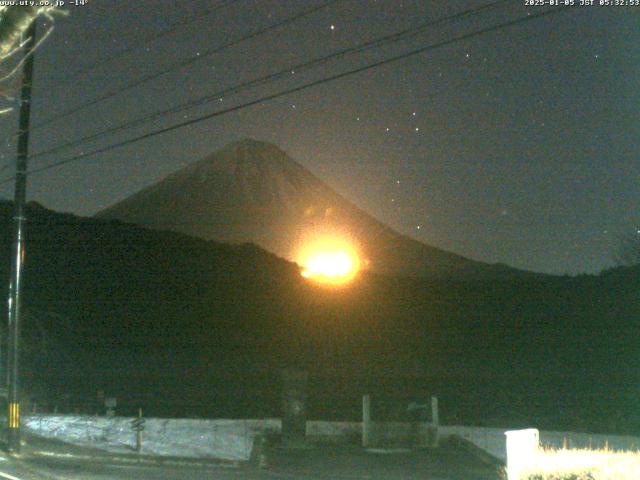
<point x="366" y="420"/>
<point x="139" y="434"/>
<point x="435" y="419"/>
<point x="522" y="448"/>
<point x="137" y="424"/>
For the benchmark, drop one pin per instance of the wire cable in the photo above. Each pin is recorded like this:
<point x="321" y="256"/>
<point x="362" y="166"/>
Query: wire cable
<point x="81" y="73"/>
<point x="285" y="72"/>
<point x="299" y="88"/>
<point x="184" y="63"/>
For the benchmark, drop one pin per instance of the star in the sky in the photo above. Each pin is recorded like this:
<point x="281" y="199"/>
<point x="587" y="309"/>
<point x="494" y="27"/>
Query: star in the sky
<point x="403" y="94"/>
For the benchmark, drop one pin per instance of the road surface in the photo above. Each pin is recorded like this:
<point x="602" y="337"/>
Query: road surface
<point x="334" y="462"/>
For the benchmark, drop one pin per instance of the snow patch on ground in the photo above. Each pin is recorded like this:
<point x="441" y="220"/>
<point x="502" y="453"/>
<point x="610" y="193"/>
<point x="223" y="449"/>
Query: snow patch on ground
<point x="219" y="439"/>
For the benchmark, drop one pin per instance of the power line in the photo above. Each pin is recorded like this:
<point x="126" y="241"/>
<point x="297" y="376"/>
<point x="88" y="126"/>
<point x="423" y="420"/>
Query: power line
<point x="375" y="43"/>
<point x="186" y="62"/>
<point x="289" y="91"/>
<point x="151" y="38"/>
<point x="171" y="30"/>
<point x="297" y="89"/>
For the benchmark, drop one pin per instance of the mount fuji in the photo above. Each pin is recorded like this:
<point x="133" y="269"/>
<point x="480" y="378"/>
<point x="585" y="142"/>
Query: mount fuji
<point x="253" y="192"/>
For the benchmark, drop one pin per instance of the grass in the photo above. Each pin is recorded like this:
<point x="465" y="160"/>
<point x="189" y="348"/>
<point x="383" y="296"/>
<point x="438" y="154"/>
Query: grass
<point x="584" y="464"/>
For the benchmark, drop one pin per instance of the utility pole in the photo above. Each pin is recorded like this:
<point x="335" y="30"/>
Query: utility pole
<point x="15" y="285"/>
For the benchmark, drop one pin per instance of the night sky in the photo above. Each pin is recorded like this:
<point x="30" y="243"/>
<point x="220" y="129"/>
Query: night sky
<point x="518" y="146"/>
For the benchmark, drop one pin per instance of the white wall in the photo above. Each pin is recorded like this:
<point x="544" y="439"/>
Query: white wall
<point x="493" y="440"/>
<point x="233" y="439"/>
<point x="221" y="439"/>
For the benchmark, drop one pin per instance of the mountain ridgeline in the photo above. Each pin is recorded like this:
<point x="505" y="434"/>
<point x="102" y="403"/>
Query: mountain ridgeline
<point x="251" y="191"/>
<point x="185" y="326"/>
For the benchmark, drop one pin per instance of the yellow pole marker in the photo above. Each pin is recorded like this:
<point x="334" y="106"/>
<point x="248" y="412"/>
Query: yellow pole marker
<point x="14" y="415"/>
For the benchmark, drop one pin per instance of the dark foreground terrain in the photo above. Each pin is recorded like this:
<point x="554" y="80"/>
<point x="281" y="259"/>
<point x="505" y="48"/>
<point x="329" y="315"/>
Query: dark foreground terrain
<point x="184" y="327"/>
<point x="445" y="463"/>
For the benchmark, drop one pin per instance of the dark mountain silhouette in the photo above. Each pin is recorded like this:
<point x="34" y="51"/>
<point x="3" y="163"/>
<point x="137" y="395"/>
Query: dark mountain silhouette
<point x="184" y="326"/>
<point x="252" y="191"/>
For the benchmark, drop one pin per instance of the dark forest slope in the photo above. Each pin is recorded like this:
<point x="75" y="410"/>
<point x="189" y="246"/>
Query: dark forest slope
<point x="187" y="326"/>
<point x="252" y="191"/>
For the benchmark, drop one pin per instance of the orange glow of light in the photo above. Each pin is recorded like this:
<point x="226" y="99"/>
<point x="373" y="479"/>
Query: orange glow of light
<point x="329" y="261"/>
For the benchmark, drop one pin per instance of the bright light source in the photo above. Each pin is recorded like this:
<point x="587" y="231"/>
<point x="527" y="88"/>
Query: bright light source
<point x="329" y="261"/>
<point x="329" y="264"/>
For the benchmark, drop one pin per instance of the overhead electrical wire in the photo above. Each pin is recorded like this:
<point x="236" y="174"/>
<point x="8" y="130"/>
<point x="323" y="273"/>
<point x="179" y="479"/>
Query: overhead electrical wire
<point x="285" y="72"/>
<point x="174" y="28"/>
<point x="185" y="63"/>
<point x="299" y="88"/>
<point x="78" y="75"/>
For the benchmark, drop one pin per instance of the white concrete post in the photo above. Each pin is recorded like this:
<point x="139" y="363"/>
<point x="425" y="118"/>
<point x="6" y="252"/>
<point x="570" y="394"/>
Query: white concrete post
<point x="435" y="419"/>
<point x="366" y="420"/>
<point x="434" y="411"/>
<point x="522" y="449"/>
